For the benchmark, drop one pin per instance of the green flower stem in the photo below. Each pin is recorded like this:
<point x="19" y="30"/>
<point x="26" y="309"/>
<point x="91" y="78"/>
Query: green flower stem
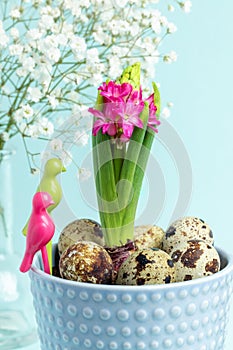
<point x="118" y="159"/>
<point x="107" y="189"/>
<point x="98" y="106"/>
<point x="106" y="184"/>
<point x="130" y="212"/>
<point x="130" y="163"/>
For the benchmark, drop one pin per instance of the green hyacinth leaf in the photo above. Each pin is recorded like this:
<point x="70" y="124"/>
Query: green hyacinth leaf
<point x="157" y="100"/>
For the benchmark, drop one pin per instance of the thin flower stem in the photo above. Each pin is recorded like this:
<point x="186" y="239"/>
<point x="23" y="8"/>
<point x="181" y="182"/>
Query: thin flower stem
<point x="27" y="153"/>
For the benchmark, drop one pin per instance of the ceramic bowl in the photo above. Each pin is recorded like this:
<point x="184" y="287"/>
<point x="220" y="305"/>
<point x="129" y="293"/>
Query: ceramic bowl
<point x="185" y="315"/>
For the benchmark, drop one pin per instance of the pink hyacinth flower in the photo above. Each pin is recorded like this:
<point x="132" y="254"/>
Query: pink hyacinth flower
<point x="104" y="120"/>
<point x="136" y="97"/>
<point x="115" y="92"/>
<point x="129" y="114"/>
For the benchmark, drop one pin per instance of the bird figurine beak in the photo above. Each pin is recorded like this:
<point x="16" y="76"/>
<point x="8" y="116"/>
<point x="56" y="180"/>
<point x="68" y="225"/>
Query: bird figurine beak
<point x="63" y="169"/>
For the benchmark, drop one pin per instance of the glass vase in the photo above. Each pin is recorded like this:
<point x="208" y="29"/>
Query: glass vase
<point x="17" y="325"/>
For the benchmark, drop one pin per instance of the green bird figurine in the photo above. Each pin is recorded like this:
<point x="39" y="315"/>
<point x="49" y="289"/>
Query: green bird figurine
<point x="50" y="184"/>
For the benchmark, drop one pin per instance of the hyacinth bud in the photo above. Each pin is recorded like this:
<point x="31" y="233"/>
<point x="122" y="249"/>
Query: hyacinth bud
<point x="131" y="75"/>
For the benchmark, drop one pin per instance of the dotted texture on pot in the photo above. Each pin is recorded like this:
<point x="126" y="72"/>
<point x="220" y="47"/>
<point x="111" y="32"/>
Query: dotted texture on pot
<point x="83" y="316"/>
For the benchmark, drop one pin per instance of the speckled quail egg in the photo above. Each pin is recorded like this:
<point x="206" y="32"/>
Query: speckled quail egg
<point x="80" y="230"/>
<point x="185" y="229"/>
<point x="147" y="266"/>
<point x="148" y="236"/>
<point x="86" y="262"/>
<point x="195" y="259"/>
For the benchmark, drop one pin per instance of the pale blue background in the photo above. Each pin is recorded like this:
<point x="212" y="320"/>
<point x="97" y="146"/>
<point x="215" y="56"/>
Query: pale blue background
<point x="200" y="85"/>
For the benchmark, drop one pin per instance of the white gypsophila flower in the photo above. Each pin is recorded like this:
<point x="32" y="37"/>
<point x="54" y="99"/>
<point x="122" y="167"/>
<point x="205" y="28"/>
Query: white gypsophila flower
<point x="119" y="51"/>
<point x="46" y="23"/>
<point x="54" y="97"/>
<point x="45" y="155"/>
<point x="18" y="116"/>
<point x="134" y="29"/>
<point x="54" y="54"/>
<point x="117" y="27"/>
<point x="148" y="45"/>
<point x="15" y="13"/>
<point x="171" y="57"/>
<point x="163" y="21"/>
<point x="21" y="72"/>
<point x="165" y="112"/>
<point x="115" y="66"/>
<point x="4" y="136"/>
<point x="56" y="145"/>
<point x="14" y="33"/>
<point x="51" y="11"/>
<point x="34" y="94"/>
<point x="53" y="101"/>
<point x="186" y="6"/>
<point x="170" y="104"/>
<point x="78" y="46"/>
<point x="42" y="76"/>
<point x="68" y="30"/>
<point x="92" y="55"/>
<point x="120" y="3"/>
<point x="149" y="66"/>
<point x="62" y="39"/>
<point x="156" y="25"/>
<point x="4" y="39"/>
<point x="81" y="138"/>
<point x="27" y="111"/>
<point x="73" y="6"/>
<point x="83" y="174"/>
<point x="5" y="90"/>
<point x="33" y="34"/>
<point x="85" y="3"/>
<point x="66" y="158"/>
<point x="31" y="130"/>
<point x="96" y="79"/>
<point x="46" y="127"/>
<point x="171" y="28"/>
<point x="100" y="36"/>
<point x="171" y="8"/>
<point x="28" y="63"/>
<point x="108" y="15"/>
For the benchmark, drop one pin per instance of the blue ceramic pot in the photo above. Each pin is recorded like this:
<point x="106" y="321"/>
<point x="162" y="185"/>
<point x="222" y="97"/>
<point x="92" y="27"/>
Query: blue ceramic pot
<point x="185" y="315"/>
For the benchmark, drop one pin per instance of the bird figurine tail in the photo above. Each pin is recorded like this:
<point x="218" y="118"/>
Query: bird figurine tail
<point x="26" y="263"/>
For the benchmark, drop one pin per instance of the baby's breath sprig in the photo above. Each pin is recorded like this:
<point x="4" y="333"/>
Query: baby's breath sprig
<point x="52" y="53"/>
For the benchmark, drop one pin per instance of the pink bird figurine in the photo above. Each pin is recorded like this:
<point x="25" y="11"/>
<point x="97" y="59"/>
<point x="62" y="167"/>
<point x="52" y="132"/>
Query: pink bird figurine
<point x="40" y="231"/>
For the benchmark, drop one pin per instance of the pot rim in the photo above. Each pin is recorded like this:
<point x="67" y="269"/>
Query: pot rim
<point x="225" y="258"/>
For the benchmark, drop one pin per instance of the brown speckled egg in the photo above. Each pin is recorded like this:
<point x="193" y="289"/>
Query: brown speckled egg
<point x="148" y="236"/>
<point x="186" y="229"/>
<point x="147" y="266"/>
<point x="86" y="262"/>
<point x="80" y="230"/>
<point x="195" y="259"/>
